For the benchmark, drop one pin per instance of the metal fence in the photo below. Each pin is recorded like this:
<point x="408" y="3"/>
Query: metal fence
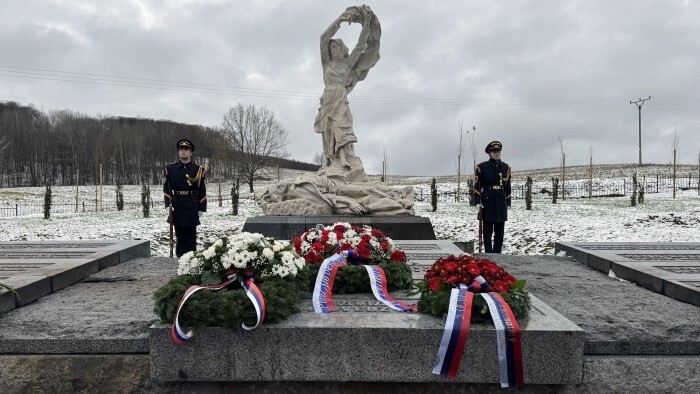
<point x="577" y="189"/>
<point x="540" y="190"/>
<point x="90" y="206"/>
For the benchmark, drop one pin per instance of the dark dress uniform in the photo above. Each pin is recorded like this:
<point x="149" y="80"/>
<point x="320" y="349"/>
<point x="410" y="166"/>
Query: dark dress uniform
<point x="492" y="190"/>
<point x="185" y="189"/>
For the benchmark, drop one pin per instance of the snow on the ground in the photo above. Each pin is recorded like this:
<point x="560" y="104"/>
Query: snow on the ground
<point x="659" y="219"/>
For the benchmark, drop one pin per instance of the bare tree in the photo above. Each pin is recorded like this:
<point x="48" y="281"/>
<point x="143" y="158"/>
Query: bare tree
<point x="256" y="136"/>
<point x="319" y="160"/>
<point x="4" y="144"/>
<point x="563" y="169"/>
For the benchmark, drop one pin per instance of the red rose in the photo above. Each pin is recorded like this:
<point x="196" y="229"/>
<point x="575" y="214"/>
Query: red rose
<point x="376" y="233"/>
<point x="385" y="246"/>
<point x="339" y="228"/>
<point x="324" y="238"/>
<point x="363" y="252"/>
<point x="310" y="257"/>
<point x="429" y="273"/>
<point x="434" y="284"/>
<point x="345" y="246"/>
<point x="398" y="256"/>
<point x="500" y="286"/>
<point x="317" y="246"/>
<point x="366" y="237"/>
<point x="453" y="280"/>
<point x="510" y="279"/>
<point x="296" y="241"/>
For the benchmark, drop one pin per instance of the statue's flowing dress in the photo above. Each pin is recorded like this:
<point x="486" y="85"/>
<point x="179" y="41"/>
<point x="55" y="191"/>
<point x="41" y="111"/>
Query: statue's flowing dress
<point x="334" y="119"/>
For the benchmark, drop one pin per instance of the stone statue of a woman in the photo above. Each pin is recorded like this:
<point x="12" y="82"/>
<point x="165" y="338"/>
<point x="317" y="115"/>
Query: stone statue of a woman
<point x="341" y="71"/>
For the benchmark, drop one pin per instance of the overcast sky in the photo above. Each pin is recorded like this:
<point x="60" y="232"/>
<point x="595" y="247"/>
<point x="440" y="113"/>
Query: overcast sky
<point x="522" y="72"/>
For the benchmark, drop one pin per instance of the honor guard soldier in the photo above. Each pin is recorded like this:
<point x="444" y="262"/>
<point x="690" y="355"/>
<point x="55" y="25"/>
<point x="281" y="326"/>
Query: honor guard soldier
<point x="185" y="192"/>
<point x="492" y="196"/>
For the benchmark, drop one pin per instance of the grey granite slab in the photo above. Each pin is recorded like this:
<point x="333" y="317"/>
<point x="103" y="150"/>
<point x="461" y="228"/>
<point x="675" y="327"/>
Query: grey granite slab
<point x="63" y="263"/>
<point x="619" y="317"/>
<point x="395" y="346"/>
<point x="29" y="288"/>
<point x="665" y="268"/>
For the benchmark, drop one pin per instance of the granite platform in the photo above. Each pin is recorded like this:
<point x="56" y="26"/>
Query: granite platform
<point x="93" y="336"/>
<point x="671" y="269"/>
<point x="35" y="269"/>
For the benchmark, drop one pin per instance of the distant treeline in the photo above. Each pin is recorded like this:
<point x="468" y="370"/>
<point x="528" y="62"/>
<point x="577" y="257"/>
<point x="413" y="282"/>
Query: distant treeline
<point x="54" y="148"/>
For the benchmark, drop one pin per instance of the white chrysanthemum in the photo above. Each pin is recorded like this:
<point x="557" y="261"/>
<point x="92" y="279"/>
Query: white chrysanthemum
<point x="238" y="262"/>
<point x="219" y="243"/>
<point x="210" y="252"/>
<point x="226" y="261"/>
<point x="268" y="253"/>
<point x="332" y="238"/>
<point x="277" y="246"/>
<point x="299" y="262"/>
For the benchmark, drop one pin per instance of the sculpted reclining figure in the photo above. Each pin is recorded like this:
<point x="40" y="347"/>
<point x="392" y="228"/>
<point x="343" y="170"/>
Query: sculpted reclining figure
<point x="318" y="195"/>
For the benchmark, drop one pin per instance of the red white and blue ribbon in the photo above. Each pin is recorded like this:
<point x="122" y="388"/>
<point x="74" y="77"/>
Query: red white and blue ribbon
<point x="256" y="297"/>
<point x="454" y="337"/>
<point x="178" y="335"/>
<point x="510" y="359"/>
<point x="322" y="297"/>
<point x="377" y="279"/>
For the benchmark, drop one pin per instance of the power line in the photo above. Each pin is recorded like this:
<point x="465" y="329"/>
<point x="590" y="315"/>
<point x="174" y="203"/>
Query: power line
<point x="110" y="80"/>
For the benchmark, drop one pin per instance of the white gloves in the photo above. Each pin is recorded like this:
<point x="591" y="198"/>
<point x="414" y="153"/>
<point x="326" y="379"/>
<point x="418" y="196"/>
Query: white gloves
<point x="199" y="214"/>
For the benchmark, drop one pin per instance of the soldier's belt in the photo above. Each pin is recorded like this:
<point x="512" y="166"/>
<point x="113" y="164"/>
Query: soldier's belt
<point x="494" y="187"/>
<point x="184" y="192"/>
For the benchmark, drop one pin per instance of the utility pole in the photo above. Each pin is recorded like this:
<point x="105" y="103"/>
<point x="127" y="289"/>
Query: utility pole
<point x="639" y="104"/>
<point x="459" y="160"/>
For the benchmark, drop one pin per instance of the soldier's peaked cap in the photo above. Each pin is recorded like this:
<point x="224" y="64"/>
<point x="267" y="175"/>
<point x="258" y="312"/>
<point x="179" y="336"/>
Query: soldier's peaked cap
<point x="493" y="145"/>
<point x="185" y="143"/>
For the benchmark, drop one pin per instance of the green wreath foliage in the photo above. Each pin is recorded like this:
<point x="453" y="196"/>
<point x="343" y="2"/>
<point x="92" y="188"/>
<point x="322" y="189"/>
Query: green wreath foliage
<point x="447" y="272"/>
<point x="436" y="303"/>
<point x="280" y="274"/>
<point x="368" y="246"/>
<point x="227" y="308"/>
<point x="354" y="279"/>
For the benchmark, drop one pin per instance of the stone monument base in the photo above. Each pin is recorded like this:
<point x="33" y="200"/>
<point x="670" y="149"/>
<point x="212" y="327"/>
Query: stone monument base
<point x="396" y="227"/>
<point x="364" y="341"/>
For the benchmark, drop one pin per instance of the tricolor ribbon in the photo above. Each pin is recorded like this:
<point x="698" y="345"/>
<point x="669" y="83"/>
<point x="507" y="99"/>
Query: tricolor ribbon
<point x="323" y="289"/>
<point x="454" y="337"/>
<point x="377" y="279"/>
<point x="510" y="358"/>
<point x="256" y="297"/>
<point x="178" y="334"/>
